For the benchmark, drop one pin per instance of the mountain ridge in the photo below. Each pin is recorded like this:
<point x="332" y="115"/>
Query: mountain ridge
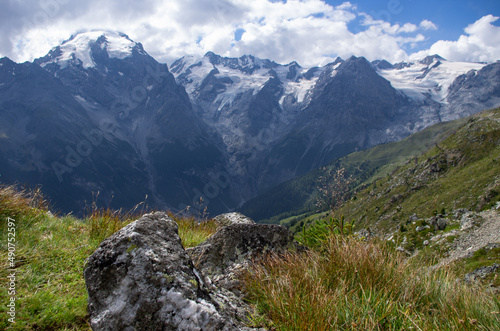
<point x="252" y="122"/>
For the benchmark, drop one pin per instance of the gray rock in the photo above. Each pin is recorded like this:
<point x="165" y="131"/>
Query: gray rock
<point x="422" y="228"/>
<point x="436" y="238"/>
<point x="481" y="273"/>
<point x="468" y="221"/>
<point x="460" y="212"/>
<point x="141" y="278"/>
<point x="414" y="218"/>
<point x="441" y="223"/>
<point x="230" y="251"/>
<point x="426" y="243"/>
<point x="233" y="218"/>
<point x="234" y="247"/>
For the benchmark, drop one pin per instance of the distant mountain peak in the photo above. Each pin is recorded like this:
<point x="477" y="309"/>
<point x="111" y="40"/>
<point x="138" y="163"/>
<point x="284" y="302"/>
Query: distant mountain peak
<point x="431" y="58"/>
<point x="80" y="48"/>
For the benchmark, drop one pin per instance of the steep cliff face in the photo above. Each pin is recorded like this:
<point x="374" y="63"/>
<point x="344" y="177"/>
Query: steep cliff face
<point x="351" y="108"/>
<point x="250" y="102"/>
<point x="474" y="91"/>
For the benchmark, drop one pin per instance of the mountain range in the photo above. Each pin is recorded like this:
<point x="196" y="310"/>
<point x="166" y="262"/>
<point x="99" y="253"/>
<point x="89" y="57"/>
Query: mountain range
<point x="98" y="114"/>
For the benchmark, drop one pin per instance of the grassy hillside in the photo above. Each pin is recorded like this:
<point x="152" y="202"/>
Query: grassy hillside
<point x="462" y="171"/>
<point x="447" y="166"/>
<point x="349" y="284"/>
<point x="299" y="195"/>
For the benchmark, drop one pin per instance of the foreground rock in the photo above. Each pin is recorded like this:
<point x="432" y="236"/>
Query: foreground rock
<point x="233" y="247"/>
<point x="141" y="278"/>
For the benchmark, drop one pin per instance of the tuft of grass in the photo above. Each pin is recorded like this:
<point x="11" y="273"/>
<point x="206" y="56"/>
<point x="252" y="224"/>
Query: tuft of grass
<point x="193" y="232"/>
<point x="21" y="203"/>
<point x="354" y="285"/>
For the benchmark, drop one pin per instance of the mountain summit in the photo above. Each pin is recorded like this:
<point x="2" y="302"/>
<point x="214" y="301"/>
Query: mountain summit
<point x="89" y="48"/>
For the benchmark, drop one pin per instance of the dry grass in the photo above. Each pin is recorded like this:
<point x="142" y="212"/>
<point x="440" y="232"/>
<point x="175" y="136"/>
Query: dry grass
<point x="193" y="231"/>
<point x="21" y="203"/>
<point x="352" y="285"/>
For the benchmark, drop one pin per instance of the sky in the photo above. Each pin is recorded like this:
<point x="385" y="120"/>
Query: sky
<point x="311" y="32"/>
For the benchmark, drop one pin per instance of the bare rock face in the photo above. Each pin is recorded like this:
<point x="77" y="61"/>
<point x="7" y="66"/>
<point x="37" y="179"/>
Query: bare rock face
<point x="141" y="278"/>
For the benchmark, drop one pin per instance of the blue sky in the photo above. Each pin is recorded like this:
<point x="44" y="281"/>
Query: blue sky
<point x="311" y="32"/>
<point x="451" y="16"/>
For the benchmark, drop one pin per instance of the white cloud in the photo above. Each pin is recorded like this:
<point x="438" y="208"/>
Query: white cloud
<point x="481" y="44"/>
<point x="310" y="32"/>
<point x="427" y="25"/>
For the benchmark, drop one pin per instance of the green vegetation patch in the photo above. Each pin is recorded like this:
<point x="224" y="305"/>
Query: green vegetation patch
<point x="482" y="258"/>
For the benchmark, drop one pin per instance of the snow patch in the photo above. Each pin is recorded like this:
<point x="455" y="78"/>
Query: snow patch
<point x="419" y="80"/>
<point x="299" y="89"/>
<point x="236" y="82"/>
<point x="79" y="48"/>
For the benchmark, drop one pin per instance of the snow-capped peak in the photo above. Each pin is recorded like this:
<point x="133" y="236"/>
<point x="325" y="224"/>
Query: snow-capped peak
<point x="79" y="47"/>
<point x="240" y="75"/>
<point x="431" y="76"/>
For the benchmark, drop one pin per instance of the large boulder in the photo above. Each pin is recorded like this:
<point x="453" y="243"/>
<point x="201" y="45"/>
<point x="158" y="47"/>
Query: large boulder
<point x="231" y="249"/>
<point x="141" y="278"/>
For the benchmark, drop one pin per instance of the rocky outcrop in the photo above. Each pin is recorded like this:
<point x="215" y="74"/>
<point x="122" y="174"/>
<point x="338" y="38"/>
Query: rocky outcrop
<point x="481" y="273"/>
<point x="141" y="278"/>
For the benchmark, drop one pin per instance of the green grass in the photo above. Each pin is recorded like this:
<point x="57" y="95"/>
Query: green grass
<point x="354" y="285"/>
<point x="50" y="258"/>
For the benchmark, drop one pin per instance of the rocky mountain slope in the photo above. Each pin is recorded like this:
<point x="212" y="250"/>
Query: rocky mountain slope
<point x="280" y="121"/>
<point x="98" y="114"/>
<point x="393" y="183"/>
